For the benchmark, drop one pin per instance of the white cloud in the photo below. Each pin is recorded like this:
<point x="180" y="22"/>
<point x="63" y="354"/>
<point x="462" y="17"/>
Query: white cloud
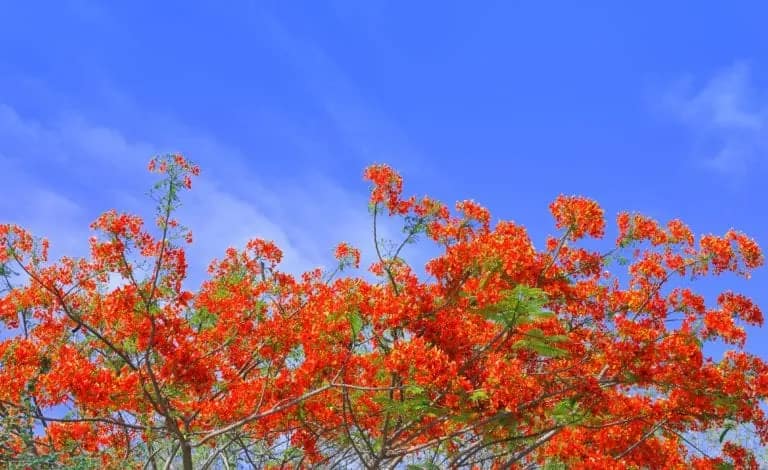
<point x="219" y="219"/>
<point x="306" y="220"/>
<point x="57" y="174"/>
<point x="99" y="164"/>
<point x="68" y="140"/>
<point x="729" y="119"/>
<point x="44" y="212"/>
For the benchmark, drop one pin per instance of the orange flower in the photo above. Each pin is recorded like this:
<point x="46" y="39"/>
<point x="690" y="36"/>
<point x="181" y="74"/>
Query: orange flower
<point x="581" y="216"/>
<point x="505" y="353"/>
<point x="347" y="255"/>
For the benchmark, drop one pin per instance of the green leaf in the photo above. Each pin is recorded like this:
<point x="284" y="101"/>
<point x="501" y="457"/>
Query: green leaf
<point x="45" y="364"/>
<point x="478" y="395"/>
<point x="414" y="389"/>
<point x="423" y="466"/>
<point x="567" y="411"/>
<point x="725" y="431"/>
<point x="523" y="304"/>
<point x="535" y="333"/>
<point x="129" y="345"/>
<point x="203" y="319"/>
<point x="540" y="347"/>
<point x="356" y="323"/>
<point x="555" y="465"/>
<point x="630" y="377"/>
<point x="557" y="338"/>
<point x="725" y="401"/>
<point x="562" y="409"/>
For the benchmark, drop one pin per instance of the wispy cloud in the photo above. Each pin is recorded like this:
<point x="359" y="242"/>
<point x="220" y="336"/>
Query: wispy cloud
<point x="42" y="210"/>
<point x="70" y="144"/>
<point x="97" y="163"/>
<point x="728" y="117"/>
<point x="360" y="123"/>
<point x="60" y="175"/>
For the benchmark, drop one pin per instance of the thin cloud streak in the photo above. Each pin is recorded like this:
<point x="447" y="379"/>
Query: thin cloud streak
<point x="361" y="125"/>
<point x="306" y="218"/>
<point x="728" y="117"/>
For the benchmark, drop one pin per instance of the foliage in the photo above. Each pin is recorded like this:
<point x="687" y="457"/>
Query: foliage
<point x="504" y="355"/>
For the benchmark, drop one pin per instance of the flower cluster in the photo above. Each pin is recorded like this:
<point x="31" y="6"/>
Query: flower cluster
<point x="504" y="355"/>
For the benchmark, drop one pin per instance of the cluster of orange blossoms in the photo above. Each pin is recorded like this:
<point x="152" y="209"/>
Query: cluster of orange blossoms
<point x="501" y="356"/>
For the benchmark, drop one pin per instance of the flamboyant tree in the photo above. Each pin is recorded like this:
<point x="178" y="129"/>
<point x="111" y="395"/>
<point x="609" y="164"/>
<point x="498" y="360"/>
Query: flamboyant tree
<point x="499" y="355"/>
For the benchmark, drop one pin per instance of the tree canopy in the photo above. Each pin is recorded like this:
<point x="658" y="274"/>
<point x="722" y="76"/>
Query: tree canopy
<point x="500" y="354"/>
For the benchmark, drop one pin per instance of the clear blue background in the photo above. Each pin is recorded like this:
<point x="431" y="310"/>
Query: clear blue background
<point x="659" y="107"/>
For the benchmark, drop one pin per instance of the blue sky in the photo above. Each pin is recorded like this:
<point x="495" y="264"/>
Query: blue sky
<point x="661" y="109"/>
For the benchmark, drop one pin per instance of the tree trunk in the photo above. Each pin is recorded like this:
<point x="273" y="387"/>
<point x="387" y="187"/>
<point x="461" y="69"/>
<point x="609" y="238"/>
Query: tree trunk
<point x="186" y="455"/>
